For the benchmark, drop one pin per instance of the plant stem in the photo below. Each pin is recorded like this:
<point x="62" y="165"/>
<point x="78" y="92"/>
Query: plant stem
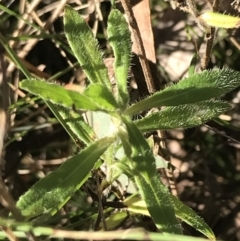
<point x="210" y="38"/>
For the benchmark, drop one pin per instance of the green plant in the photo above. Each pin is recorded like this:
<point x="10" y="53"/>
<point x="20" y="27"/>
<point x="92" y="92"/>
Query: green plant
<point x="189" y="103"/>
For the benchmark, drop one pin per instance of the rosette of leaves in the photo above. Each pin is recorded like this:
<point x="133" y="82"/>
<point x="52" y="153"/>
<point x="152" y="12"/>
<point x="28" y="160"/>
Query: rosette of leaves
<point x="189" y="103"/>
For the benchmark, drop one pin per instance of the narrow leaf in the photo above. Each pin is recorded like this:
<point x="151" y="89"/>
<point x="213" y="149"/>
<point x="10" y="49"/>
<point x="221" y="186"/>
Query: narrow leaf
<point x="157" y="197"/>
<point x="120" y="40"/>
<point x="61" y="96"/>
<point x="198" y="87"/>
<point x="57" y="94"/>
<point x="85" y="47"/>
<point x="187" y="215"/>
<point x="136" y="205"/>
<point x="53" y="191"/>
<point x="152" y="190"/>
<point x="183" y="116"/>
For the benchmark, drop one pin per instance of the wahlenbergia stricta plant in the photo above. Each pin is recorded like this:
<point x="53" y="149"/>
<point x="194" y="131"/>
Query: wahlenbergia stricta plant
<point x="189" y="103"/>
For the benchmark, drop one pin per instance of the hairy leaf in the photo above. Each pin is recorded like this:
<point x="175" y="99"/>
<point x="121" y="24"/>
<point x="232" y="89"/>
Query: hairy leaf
<point x="183" y="116"/>
<point x="120" y="40"/>
<point x="154" y="193"/>
<point x="95" y="97"/>
<point x="85" y="47"/>
<point x="53" y="191"/>
<point x="136" y="205"/>
<point x="198" y="87"/>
